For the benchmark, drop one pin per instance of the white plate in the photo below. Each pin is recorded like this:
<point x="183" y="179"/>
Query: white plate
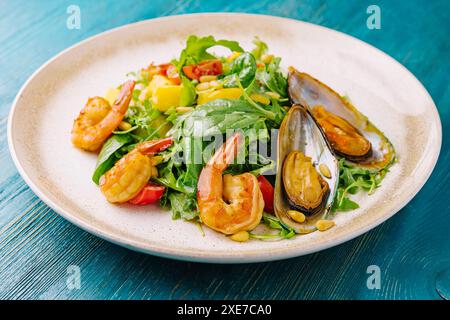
<point x="42" y="114"/>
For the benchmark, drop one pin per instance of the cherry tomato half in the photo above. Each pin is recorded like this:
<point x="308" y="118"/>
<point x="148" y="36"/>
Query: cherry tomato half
<point x="208" y="67"/>
<point x="267" y="192"/>
<point x="150" y="194"/>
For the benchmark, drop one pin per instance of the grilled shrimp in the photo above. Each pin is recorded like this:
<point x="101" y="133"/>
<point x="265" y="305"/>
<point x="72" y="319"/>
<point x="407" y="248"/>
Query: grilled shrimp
<point x="98" y="119"/>
<point x="131" y="173"/>
<point x="228" y="204"/>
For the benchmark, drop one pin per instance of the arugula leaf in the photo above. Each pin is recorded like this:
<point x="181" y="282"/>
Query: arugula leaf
<point x="242" y="68"/>
<point x="272" y="112"/>
<point x="260" y="48"/>
<point x="343" y="203"/>
<point x="167" y="177"/>
<point x="188" y="93"/>
<point x="106" y="158"/>
<point x="149" y="123"/>
<point x="352" y="179"/>
<point x="272" y="78"/>
<point x="196" y="49"/>
<point x="183" y="206"/>
<point x="274" y="223"/>
<point x="172" y="115"/>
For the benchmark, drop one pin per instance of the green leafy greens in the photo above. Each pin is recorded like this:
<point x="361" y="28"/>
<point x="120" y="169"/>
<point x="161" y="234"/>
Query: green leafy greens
<point x="260" y="48"/>
<point x="272" y="222"/>
<point x="182" y="205"/>
<point x="353" y="179"/>
<point x="106" y="159"/>
<point x="272" y="78"/>
<point x="196" y="49"/>
<point x="243" y="69"/>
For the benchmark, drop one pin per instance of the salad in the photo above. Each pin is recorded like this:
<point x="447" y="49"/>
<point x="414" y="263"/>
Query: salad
<point x="233" y="143"/>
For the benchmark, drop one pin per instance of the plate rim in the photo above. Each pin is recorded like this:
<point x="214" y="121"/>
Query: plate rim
<point x="196" y="256"/>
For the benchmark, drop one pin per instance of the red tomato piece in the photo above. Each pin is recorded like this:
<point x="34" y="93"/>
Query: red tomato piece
<point x="191" y="72"/>
<point x="149" y="194"/>
<point x="211" y="67"/>
<point x="267" y="193"/>
<point x="208" y="67"/>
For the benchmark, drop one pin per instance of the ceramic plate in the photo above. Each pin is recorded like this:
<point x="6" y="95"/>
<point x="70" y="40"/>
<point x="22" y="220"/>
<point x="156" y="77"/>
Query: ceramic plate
<point x="42" y="114"/>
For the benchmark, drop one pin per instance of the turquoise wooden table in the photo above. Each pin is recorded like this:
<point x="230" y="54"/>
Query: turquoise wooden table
<point x="40" y="251"/>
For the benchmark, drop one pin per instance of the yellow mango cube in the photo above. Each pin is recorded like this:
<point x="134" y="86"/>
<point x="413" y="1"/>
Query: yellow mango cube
<point x="227" y="93"/>
<point x="165" y="97"/>
<point x="157" y="81"/>
<point x="111" y="95"/>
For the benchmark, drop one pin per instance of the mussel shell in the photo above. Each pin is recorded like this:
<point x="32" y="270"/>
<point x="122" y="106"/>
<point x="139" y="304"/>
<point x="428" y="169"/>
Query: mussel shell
<point x="300" y="132"/>
<point x="309" y="92"/>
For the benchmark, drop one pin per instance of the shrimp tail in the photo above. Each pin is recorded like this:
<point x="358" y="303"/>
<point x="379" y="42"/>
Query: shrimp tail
<point x="227" y="152"/>
<point x="123" y="99"/>
<point x="151" y="147"/>
<point x="211" y="175"/>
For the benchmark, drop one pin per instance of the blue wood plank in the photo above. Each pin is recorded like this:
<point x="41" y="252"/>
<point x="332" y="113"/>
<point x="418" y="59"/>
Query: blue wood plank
<point x="37" y="246"/>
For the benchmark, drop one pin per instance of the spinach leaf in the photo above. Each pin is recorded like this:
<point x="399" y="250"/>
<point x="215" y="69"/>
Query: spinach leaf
<point x="196" y="49"/>
<point x="106" y="158"/>
<point x="216" y="116"/>
<point x="242" y="68"/>
<point x="192" y="152"/>
<point x="188" y="93"/>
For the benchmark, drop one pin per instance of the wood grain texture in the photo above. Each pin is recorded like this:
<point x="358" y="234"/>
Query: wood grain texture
<point x="37" y="246"/>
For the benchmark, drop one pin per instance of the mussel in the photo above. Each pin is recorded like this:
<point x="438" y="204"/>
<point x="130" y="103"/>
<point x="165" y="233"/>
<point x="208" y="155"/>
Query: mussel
<point x="305" y="188"/>
<point x="349" y="132"/>
<point x="300" y="185"/>
<point x="345" y="139"/>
